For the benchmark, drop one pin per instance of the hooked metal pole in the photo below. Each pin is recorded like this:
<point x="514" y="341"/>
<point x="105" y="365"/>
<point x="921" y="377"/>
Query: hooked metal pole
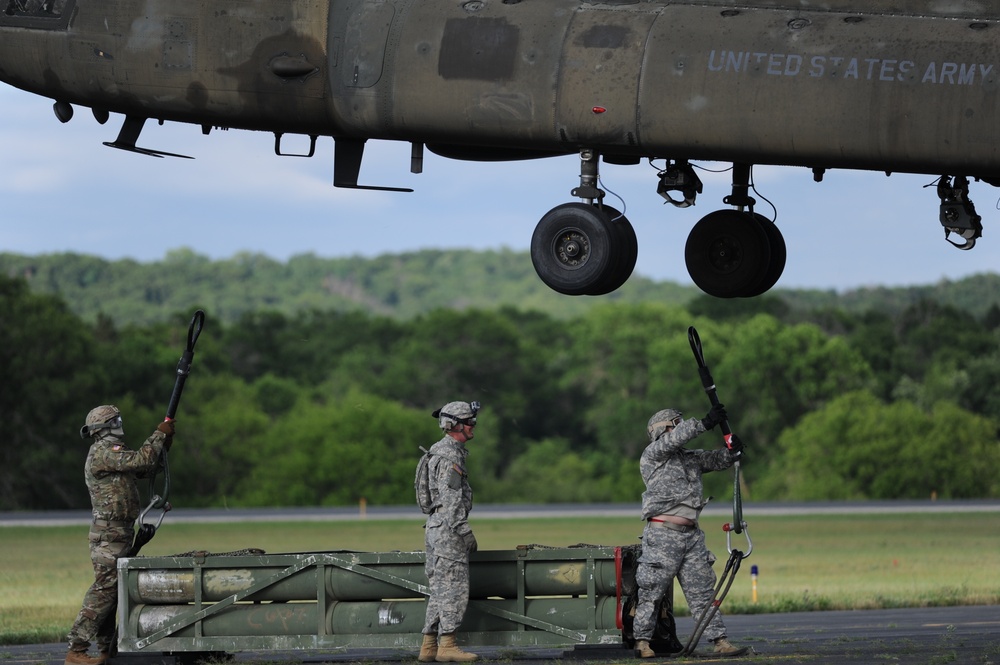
<point x="738" y="524"/>
<point x="184" y="364"/>
<point x="157" y="500"/>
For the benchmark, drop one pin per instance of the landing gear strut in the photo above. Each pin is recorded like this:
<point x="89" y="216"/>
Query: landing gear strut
<point x="586" y="248"/>
<point x="735" y="253"/>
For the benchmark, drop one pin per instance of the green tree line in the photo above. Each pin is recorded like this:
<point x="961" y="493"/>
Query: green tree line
<point x="402" y="286"/>
<point x="326" y="407"/>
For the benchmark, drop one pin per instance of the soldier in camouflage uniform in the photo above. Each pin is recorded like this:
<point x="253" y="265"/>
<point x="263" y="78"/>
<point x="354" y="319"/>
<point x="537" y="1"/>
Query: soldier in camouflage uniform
<point x="672" y="543"/>
<point x="448" y="537"/>
<point x="111" y="471"/>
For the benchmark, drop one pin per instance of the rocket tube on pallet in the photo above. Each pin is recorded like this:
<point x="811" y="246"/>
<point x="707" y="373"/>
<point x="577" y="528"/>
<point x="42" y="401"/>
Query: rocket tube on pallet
<point x="488" y="579"/>
<point x="362" y="618"/>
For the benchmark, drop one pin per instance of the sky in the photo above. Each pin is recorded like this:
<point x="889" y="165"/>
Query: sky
<point x="63" y="191"/>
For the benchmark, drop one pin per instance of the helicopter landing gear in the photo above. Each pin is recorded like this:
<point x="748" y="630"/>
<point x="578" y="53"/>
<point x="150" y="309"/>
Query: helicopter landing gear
<point x="584" y="248"/>
<point x="735" y="253"/>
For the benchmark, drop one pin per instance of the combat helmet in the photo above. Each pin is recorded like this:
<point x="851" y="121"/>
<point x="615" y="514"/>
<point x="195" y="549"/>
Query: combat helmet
<point x="659" y="422"/>
<point x="453" y="413"/>
<point x="106" y="416"/>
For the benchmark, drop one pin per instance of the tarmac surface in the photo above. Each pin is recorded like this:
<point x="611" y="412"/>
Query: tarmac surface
<point x="924" y="636"/>
<point x="915" y="636"/>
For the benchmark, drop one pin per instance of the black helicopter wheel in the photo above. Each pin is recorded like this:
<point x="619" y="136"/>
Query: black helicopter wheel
<point x="728" y="254"/>
<point x="573" y="249"/>
<point x="776" y="265"/>
<point x="625" y="247"/>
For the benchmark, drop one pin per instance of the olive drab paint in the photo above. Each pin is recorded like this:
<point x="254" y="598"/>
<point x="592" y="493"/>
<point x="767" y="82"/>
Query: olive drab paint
<point x="879" y="85"/>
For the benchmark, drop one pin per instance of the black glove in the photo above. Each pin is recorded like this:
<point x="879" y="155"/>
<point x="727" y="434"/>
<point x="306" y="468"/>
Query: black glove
<point x="470" y="542"/>
<point x="714" y="417"/>
<point x="735" y="448"/>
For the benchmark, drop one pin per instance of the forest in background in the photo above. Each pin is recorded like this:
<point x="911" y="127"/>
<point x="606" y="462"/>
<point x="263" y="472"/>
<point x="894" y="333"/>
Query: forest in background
<point x="401" y="286"/>
<point x="314" y="379"/>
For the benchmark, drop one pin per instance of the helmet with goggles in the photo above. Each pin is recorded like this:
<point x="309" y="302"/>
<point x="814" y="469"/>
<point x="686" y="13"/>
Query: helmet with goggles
<point x="661" y="420"/>
<point x="453" y="414"/>
<point x="104" y="417"/>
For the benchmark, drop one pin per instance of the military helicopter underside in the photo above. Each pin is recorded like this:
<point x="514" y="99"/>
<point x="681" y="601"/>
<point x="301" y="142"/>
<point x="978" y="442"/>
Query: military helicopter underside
<point x="589" y="248"/>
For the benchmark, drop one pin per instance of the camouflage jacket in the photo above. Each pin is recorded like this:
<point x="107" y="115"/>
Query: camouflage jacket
<point x="673" y="474"/>
<point x="449" y="485"/>
<point x="111" y="472"/>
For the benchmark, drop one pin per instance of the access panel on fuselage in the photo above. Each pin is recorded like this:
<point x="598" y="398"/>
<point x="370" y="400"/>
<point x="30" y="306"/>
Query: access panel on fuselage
<point x="596" y="102"/>
<point x="451" y="71"/>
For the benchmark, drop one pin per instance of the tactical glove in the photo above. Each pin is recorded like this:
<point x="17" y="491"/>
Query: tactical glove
<point x="167" y="427"/>
<point x="736" y="448"/>
<point x="715" y="416"/>
<point x="470" y="542"/>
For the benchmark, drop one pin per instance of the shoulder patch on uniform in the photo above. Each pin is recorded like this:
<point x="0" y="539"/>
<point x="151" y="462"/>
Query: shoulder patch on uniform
<point x="117" y="447"/>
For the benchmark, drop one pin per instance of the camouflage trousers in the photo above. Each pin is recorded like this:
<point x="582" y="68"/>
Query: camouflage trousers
<point x="97" y="616"/>
<point x="667" y="554"/>
<point x="449" y="586"/>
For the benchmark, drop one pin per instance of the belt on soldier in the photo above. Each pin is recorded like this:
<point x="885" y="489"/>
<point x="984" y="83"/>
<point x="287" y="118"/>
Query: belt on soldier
<point x="114" y="524"/>
<point x="683" y="528"/>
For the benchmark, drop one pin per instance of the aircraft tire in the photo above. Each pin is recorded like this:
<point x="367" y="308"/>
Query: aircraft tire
<point x="625" y="247"/>
<point x="779" y="253"/>
<point x="572" y="248"/>
<point x="728" y="254"/>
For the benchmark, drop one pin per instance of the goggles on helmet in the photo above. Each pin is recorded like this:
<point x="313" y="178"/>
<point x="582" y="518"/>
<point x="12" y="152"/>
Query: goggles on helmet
<point x="470" y="420"/>
<point x="87" y="431"/>
<point x="475" y="406"/>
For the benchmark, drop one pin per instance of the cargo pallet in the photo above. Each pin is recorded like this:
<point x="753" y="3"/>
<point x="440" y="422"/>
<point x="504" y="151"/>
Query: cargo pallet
<point x="534" y="596"/>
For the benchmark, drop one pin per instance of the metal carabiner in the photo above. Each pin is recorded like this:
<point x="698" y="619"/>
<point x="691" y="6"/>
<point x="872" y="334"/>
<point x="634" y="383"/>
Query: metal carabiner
<point x="729" y="528"/>
<point x="158" y="503"/>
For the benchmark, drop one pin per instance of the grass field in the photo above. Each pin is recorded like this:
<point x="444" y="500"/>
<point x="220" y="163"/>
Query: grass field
<point x="804" y="562"/>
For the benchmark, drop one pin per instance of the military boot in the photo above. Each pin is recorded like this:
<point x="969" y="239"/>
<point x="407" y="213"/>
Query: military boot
<point x="724" y="647"/>
<point x="642" y="649"/>
<point x="448" y="651"/>
<point x="82" y="658"/>
<point x="428" y="649"/>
